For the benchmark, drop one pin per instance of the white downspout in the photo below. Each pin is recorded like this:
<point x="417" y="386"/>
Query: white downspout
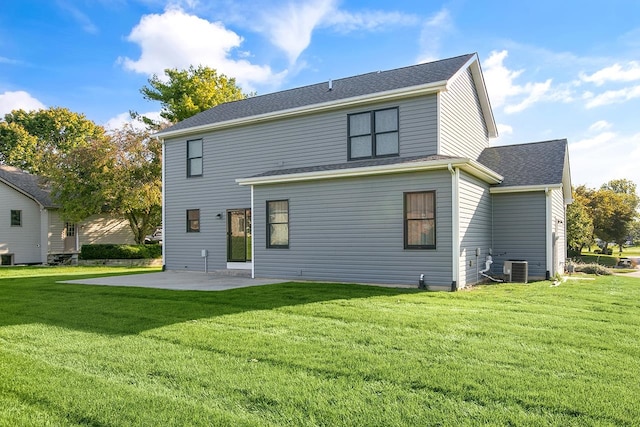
<point x="253" y="246"/>
<point x="455" y="226"/>
<point x="549" y="233"/>
<point x="164" y="207"/>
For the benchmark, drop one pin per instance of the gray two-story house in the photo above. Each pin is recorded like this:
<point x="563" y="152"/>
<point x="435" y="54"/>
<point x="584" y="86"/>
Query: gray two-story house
<point x="377" y="178"/>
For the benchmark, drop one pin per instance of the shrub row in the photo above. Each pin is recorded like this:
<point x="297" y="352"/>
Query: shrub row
<point x="120" y="251"/>
<point x="592" y="268"/>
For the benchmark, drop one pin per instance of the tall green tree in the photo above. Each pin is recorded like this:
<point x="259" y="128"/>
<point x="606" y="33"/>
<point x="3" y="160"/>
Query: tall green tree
<point x="579" y="222"/>
<point x="35" y="140"/>
<point x="119" y="173"/>
<point x="613" y="209"/>
<point x="184" y="93"/>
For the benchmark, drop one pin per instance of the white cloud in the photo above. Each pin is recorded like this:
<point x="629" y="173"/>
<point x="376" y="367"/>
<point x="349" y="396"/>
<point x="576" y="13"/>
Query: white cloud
<point x="604" y="157"/>
<point x="615" y="73"/>
<point x="80" y="17"/>
<point x="502" y="87"/>
<point x="536" y="92"/>
<point x="504" y="129"/>
<point x="176" y="39"/>
<point x="432" y="31"/>
<point x="125" y="118"/>
<point x="612" y="96"/>
<point x="599" y="125"/>
<point x="344" y="21"/>
<point x="17" y="100"/>
<point x="290" y="26"/>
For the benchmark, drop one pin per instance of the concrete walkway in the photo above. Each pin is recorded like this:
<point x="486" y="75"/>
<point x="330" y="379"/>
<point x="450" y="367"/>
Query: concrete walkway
<point x="179" y="281"/>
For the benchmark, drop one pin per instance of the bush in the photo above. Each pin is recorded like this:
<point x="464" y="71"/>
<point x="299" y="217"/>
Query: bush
<point x="592" y="268"/>
<point x="120" y="252"/>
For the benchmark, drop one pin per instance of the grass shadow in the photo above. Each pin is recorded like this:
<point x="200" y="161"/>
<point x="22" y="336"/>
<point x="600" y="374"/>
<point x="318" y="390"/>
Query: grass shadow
<point x="126" y="310"/>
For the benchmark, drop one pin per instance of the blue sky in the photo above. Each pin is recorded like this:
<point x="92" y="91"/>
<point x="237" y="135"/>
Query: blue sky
<point x="554" y="69"/>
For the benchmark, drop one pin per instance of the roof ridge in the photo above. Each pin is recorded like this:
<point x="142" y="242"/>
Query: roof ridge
<point x="324" y="82"/>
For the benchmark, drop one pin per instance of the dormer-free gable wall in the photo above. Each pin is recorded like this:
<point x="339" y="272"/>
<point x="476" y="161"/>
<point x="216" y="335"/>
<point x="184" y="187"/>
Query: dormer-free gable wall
<point x="463" y="128"/>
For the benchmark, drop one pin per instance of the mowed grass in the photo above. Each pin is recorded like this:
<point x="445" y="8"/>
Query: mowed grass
<point x="314" y="354"/>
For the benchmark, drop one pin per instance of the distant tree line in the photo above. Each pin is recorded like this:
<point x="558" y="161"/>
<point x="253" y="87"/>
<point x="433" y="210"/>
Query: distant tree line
<point x="609" y="214"/>
<point x="91" y="170"/>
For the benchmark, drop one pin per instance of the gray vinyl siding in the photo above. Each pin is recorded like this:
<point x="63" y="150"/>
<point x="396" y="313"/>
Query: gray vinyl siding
<point x="559" y="230"/>
<point x="463" y="130"/>
<point x="243" y="151"/>
<point x="21" y="241"/>
<point x="352" y="230"/>
<point x="519" y="230"/>
<point x="475" y="227"/>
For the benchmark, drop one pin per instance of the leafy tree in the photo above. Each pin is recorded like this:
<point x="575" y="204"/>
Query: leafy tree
<point x="34" y="140"/>
<point x="579" y="222"/>
<point x="119" y="173"/>
<point x="613" y="209"/>
<point x="185" y="93"/>
<point x="634" y="232"/>
<point x="82" y="181"/>
<point x="137" y="190"/>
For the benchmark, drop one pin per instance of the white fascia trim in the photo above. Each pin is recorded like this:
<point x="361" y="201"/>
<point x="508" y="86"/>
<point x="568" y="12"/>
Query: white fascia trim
<point x="314" y="108"/>
<point x="470" y="166"/>
<point x="524" y="188"/>
<point x="483" y="95"/>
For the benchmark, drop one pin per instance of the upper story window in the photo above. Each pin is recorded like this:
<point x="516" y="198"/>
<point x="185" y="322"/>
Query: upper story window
<point x="373" y="134"/>
<point x="194" y="157"/>
<point x="420" y="220"/>
<point x="16" y="218"/>
<point x="193" y="220"/>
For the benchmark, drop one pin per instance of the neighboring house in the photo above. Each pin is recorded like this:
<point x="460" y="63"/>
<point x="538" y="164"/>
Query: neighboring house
<point x="376" y="178"/>
<point x="31" y="230"/>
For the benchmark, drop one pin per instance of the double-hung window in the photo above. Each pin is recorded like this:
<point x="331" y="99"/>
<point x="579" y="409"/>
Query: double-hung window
<point x="278" y="224"/>
<point x="16" y="218"/>
<point x="193" y="220"/>
<point x="373" y="134"/>
<point x="420" y="220"/>
<point x="194" y="157"/>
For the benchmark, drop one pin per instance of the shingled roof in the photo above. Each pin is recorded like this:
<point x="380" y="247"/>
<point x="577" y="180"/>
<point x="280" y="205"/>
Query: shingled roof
<point x="350" y="87"/>
<point x="532" y="164"/>
<point x="27" y="184"/>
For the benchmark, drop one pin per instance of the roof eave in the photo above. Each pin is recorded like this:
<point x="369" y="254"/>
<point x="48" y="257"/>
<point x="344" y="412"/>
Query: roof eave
<point x="405" y="92"/>
<point x="524" y="188"/>
<point x="470" y="166"/>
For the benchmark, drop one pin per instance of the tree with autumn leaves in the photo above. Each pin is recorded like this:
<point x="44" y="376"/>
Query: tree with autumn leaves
<point x="91" y="170"/>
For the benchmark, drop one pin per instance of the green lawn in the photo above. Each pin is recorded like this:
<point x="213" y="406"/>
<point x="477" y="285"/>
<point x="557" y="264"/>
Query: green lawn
<point x="317" y="354"/>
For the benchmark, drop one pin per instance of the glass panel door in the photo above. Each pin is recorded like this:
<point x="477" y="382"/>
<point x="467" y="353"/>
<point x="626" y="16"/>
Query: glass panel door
<point x="239" y="235"/>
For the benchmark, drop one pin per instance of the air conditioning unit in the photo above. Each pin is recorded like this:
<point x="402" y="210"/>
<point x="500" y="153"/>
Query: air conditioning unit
<point x="516" y="271"/>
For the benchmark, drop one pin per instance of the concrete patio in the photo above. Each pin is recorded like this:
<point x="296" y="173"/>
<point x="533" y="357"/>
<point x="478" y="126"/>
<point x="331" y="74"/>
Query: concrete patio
<point x="180" y="281"/>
